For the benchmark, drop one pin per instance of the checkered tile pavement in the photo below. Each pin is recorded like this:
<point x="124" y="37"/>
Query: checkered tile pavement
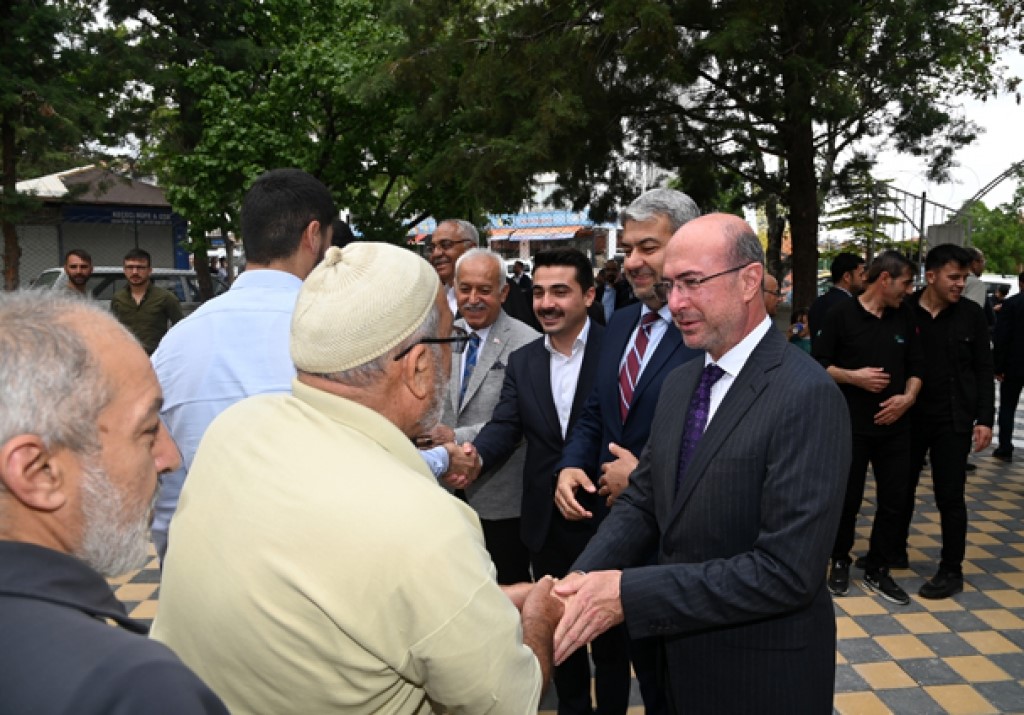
<point x="963" y="655"/>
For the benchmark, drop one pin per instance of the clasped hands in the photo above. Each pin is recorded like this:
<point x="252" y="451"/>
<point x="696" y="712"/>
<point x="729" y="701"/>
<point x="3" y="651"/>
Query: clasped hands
<point x="463" y="461"/>
<point x="589" y="605"/>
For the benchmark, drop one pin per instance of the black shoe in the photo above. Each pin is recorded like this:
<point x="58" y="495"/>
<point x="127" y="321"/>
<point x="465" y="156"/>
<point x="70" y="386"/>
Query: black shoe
<point x="839" y="577"/>
<point x="901" y="563"/>
<point x="881" y="583"/>
<point x="942" y="585"/>
<point x="970" y="467"/>
<point x="1002" y="456"/>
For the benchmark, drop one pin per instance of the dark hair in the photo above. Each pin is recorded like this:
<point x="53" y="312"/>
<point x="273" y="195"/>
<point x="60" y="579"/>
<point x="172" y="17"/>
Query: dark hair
<point x="947" y="253"/>
<point x="138" y="254"/>
<point x="342" y="233"/>
<point x="843" y="264"/>
<point x="276" y="210"/>
<point x="892" y="262"/>
<point x="797" y="313"/>
<point x="81" y="253"/>
<point x="565" y="256"/>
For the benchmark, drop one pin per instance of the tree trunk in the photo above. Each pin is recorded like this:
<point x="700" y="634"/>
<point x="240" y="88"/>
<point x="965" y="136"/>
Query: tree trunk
<point x="12" y="251"/>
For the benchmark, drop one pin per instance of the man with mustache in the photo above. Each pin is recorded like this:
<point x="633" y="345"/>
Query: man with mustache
<point x="450" y="240"/>
<point x="473" y="391"/>
<point x="344" y="579"/>
<point x="546" y="385"/>
<point x="639" y="350"/>
<point x="78" y="477"/>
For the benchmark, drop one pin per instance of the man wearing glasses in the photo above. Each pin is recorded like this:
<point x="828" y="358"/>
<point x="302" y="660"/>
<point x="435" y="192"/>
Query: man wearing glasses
<point x="143" y="308"/>
<point x="741" y="514"/>
<point x="772" y="294"/>
<point x="450" y="240"/>
<point x="342" y="578"/>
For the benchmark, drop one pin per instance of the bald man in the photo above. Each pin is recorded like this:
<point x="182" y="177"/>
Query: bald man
<point x="741" y="518"/>
<point x="772" y="294"/>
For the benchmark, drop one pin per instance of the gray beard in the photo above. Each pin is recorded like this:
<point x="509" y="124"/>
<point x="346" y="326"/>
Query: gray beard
<point x="109" y="545"/>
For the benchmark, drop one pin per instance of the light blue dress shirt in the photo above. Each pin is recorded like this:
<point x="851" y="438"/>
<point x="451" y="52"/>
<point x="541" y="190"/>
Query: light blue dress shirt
<point x="232" y="347"/>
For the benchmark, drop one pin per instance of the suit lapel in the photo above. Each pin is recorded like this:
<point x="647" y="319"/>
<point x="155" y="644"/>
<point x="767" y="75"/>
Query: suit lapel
<point x="669" y="343"/>
<point x="588" y="371"/>
<point x="539" y="380"/>
<point x="490" y="349"/>
<point x="742" y="395"/>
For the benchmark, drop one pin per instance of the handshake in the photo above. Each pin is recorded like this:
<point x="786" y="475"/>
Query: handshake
<point x="561" y="616"/>
<point x="463" y="461"/>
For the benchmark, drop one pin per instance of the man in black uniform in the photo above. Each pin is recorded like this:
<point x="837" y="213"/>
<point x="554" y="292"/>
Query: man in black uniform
<point x="870" y="347"/>
<point x="955" y="406"/>
<point x="847" y="280"/>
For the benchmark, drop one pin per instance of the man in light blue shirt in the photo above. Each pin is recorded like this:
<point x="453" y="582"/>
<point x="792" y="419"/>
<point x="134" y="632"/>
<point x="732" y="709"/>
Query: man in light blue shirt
<point x="236" y="345"/>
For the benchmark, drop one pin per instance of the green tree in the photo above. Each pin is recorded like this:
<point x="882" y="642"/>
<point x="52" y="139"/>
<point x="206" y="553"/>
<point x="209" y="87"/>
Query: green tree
<point x="999" y="233"/>
<point x="51" y="102"/>
<point x="777" y="93"/>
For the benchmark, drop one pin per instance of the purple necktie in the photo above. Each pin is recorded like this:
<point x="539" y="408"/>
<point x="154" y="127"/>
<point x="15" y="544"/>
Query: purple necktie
<point x="696" y="418"/>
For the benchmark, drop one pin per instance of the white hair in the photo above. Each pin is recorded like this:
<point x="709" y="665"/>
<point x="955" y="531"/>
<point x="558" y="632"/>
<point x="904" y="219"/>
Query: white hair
<point x="476" y="253"/>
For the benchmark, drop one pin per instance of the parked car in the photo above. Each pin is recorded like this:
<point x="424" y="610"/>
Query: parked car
<point x="107" y="280"/>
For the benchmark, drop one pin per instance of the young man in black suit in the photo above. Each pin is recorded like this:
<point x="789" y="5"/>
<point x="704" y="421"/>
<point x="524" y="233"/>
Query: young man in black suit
<point x="546" y="384"/>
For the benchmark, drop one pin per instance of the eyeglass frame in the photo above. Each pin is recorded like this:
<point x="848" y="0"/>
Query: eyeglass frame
<point x="459" y="339"/>
<point x="692" y="285"/>
<point x="777" y="293"/>
<point x="430" y="245"/>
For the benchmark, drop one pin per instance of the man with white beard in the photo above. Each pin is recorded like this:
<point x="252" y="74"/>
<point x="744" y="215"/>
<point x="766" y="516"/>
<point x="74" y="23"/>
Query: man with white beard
<point x="81" y="445"/>
<point x="343" y="578"/>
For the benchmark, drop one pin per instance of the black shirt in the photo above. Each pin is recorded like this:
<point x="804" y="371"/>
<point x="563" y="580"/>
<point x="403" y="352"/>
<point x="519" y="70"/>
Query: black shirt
<point x="957" y="390"/>
<point x="851" y="338"/>
<point x="59" y="654"/>
<point x="820" y="308"/>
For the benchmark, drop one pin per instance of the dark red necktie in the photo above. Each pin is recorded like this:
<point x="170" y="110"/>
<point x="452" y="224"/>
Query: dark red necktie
<point x="629" y="375"/>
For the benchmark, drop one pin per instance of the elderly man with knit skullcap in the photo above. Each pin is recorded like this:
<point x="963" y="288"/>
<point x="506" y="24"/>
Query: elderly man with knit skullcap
<point x="342" y="578"/>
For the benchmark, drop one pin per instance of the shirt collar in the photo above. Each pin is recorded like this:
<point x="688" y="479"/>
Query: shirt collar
<point x="734" y="360"/>
<point x="266" y="278"/>
<point x="663" y="311"/>
<point x="578" y="344"/>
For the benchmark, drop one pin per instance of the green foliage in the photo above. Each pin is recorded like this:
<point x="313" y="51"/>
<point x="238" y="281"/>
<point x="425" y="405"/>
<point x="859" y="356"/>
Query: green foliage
<point x="999" y="233"/>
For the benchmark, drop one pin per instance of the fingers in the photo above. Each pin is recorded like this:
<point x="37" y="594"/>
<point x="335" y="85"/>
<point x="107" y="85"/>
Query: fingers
<point x="565" y="494"/>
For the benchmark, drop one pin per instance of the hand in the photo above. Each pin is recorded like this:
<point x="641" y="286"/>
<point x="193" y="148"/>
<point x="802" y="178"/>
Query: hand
<point x="893" y="408"/>
<point x="517" y="593"/>
<point x="615" y="475"/>
<point x="872" y="379"/>
<point x="435" y="437"/>
<point x="982" y="437"/>
<point x="569" y="480"/>
<point x="593" y="607"/>
<point x="463" y="465"/>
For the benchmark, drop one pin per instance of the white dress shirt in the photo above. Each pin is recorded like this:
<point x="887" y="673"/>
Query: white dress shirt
<point x="565" y="374"/>
<point x="732" y="362"/>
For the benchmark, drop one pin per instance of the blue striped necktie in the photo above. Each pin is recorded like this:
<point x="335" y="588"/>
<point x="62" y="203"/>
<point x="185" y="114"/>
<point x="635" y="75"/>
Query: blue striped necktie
<point x="467" y="369"/>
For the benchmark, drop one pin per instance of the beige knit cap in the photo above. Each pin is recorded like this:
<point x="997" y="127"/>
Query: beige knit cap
<point x="359" y="303"/>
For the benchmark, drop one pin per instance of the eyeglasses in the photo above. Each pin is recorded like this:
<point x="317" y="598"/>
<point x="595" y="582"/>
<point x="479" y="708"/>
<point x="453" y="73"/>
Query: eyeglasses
<point x="458" y="339"/>
<point x="444" y="244"/>
<point x="776" y="293"/>
<point x="690" y="284"/>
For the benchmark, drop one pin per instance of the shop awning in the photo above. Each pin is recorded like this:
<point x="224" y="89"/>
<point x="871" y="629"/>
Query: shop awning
<point x="538" y="233"/>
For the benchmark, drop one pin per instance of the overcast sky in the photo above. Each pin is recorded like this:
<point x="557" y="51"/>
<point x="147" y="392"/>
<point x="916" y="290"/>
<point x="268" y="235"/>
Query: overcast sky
<point x="1000" y="146"/>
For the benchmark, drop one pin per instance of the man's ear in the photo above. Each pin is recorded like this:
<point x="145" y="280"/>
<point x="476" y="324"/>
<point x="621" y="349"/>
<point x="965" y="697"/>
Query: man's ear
<point x="33" y="474"/>
<point x="418" y="371"/>
<point x="588" y="296"/>
<point x="312" y="237"/>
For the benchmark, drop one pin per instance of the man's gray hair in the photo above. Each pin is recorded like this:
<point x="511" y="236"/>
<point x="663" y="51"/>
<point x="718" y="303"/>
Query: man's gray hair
<point x="745" y="246"/>
<point x="477" y="252"/>
<point x="370" y="373"/>
<point x="674" y="205"/>
<point x="50" y="383"/>
<point x="466" y="230"/>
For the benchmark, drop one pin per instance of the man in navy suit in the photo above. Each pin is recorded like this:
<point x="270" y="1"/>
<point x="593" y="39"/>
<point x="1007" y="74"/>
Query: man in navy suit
<point x="546" y="385"/>
<point x="640" y="349"/>
<point x="738" y="489"/>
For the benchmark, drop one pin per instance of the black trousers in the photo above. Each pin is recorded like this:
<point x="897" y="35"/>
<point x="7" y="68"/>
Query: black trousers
<point x="889" y="456"/>
<point x="610" y="651"/>
<point x="948" y="450"/>
<point x="1009" y="395"/>
<point x="509" y="554"/>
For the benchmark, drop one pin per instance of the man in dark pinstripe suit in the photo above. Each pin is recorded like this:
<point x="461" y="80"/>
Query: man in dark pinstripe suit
<point x="743" y="529"/>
